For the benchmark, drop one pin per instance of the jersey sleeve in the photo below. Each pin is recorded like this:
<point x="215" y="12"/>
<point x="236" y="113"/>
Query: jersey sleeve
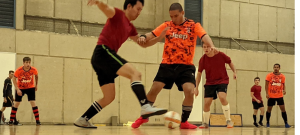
<point x="157" y="31"/>
<point x="17" y="73"/>
<point x="35" y="72"/>
<point x="226" y="58"/>
<point x="200" y="32"/>
<point x="133" y="31"/>
<point x="283" y="79"/>
<point x="252" y="89"/>
<point x="268" y="78"/>
<point x="201" y="64"/>
<point x="118" y="14"/>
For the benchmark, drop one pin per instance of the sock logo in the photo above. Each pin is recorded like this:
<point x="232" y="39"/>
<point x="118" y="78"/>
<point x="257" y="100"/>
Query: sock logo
<point x="143" y="101"/>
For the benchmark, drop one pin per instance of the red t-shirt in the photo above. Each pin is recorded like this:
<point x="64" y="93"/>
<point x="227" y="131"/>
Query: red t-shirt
<point x="256" y="90"/>
<point x="116" y="31"/>
<point x="25" y="78"/>
<point x="215" y="69"/>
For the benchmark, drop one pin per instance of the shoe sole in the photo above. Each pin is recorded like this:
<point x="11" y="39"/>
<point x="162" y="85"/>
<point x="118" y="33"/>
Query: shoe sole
<point x="83" y="126"/>
<point x="155" y="113"/>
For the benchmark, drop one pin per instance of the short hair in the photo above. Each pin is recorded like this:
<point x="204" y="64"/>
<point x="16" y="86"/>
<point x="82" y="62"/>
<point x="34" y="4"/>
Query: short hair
<point x="176" y="6"/>
<point x="256" y="78"/>
<point x="132" y="3"/>
<point x="277" y="64"/>
<point x="10" y="71"/>
<point x="26" y="59"/>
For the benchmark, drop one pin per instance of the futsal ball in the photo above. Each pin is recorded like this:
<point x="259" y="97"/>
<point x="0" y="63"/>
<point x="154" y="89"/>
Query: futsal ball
<point x="172" y="119"/>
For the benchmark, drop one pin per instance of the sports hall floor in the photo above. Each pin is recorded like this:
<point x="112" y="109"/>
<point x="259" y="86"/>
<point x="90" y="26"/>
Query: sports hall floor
<point x="145" y="130"/>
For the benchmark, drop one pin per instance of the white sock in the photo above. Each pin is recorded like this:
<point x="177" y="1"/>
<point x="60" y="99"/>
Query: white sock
<point x="206" y="116"/>
<point x="226" y="111"/>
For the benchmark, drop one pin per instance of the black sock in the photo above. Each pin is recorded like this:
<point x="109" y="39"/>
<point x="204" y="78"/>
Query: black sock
<point x="0" y="115"/>
<point x="268" y="115"/>
<point x="139" y="91"/>
<point x="261" y="118"/>
<point x="284" y="116"/>
<point x="92" y="111"/>
<point x="186" y="111"/>
<point x="254" y="118"/>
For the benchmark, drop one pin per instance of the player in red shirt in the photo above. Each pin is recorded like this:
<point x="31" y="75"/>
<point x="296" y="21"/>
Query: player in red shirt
<point x="108" y="64"/>
<point x="257" y="101"/>
<point x="216" y="82"/>
<point x="177" y="62"/>
<point x="24" y="83"/>
<point x="275" y="89"/>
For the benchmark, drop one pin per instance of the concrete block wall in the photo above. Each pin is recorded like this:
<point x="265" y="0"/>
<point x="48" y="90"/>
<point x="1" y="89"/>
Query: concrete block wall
<point x="271" y="20"/>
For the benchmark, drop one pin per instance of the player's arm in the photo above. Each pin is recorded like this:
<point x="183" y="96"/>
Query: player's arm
<point x="36" y="80"/>
<point x="143" y="39"/>
<point x="150" y="42"/>
<point x="253" y="97"/>
<point x="284" y="92"/>
<point x="198" y="79"/>
<point x="201" y="33"/>
<point x="5" y="90"/>
<point x="267" y="88"/>
<point x="232" y="67"/>
<point x="15" y="83"/>
<point x="109" y="11"/>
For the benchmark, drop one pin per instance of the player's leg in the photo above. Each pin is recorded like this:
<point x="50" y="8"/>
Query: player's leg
<point x="281" y="105"/>
<point x="31" y="98"/>
<point x="128" y="71"/>
<point x="14" y="109"/>
<point x="154" y="91"/>
<point x="222" y="93"/>
<point x="187" y="105"/>
<point x="262" y="112"/>
<point x="1" y="111"/>
<point x="210" y="94"/>
<point x="151" y="96"/>
<point x="254" y="117"/>
<point x="271" y="103"/>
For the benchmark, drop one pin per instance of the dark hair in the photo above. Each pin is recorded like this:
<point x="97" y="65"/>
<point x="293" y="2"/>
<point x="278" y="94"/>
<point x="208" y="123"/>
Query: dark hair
<point x="277" y="64"/>
<point x="26" y="59"/>
<point x="176" y="6"/>
<point x="11" y="71"/>
<point x="132" y="3"/>
<point x="256" y="78"/>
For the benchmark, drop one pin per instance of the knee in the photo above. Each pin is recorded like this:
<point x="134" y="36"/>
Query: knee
<point x="109" y="98"/>
<point x="188" y="93"/>
<point x="137" y="74"/>
<point x="222" y="99"/>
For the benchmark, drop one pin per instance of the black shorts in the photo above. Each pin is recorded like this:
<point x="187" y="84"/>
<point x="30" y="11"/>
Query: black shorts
<point x="29" y="92"/>
<point x="272" y="101"/>
<point x="257" y="105"/>
<point x="106" y="63"/>
<point x="9" y="102"/>
<point x="211" y="91"/>
<point x="178" y="73"/>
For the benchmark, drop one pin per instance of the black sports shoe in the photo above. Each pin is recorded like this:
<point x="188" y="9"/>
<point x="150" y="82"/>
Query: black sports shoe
<point x="255" y="124"/>
<point x="38" y="123"/>
<point x="17" y="123"/>
<point x="10" y="123"/>
<point x="260" y="123"/>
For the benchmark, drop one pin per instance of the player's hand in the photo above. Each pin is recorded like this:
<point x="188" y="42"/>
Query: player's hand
<point x="35" y="88"/>
<point x="284" y="92"/>
<point x="196" y="91"/>
<point x="267" y="96"/>
<point x="92" y="2"/>
<point x="163" y="33"/>
<point x="258" y="101"/>
<point x="19" y="92"/>
<point x="141" y="40"/>
<point x="5" y="101"/>
<point x="234" y="76"/>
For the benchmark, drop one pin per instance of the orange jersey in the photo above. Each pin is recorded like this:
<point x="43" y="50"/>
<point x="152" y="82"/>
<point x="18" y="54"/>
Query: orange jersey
<point x="180" y="41"/>
<point x="276" y="85"/>
<point x="26" y="78"/>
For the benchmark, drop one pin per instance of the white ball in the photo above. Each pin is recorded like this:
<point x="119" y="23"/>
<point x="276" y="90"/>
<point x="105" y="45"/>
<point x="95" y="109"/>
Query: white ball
<point x="172" y="119"/>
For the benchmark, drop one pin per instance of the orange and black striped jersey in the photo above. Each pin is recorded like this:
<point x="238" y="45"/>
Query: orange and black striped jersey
<point x="180" y="41"/>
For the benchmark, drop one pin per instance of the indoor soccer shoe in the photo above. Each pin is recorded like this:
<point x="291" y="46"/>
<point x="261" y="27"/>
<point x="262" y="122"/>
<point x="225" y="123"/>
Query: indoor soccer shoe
<point x="187" y="125"/>
<point x="139" y="122"/>
<point x="204" y="125"/>
<point x="229" y="124"/>
<point x="148" y="111"/>
<point x="84" y="123"/>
